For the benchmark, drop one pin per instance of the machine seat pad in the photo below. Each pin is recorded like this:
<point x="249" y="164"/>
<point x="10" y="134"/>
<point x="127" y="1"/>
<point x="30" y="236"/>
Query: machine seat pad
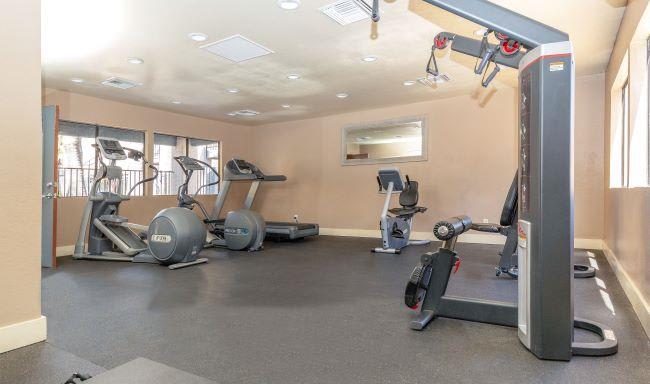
<point x="407" y="211"/>
<point x="115" y="219"/>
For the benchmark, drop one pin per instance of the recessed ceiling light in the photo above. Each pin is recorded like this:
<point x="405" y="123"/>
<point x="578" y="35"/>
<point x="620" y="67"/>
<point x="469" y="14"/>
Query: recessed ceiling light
<point x="480" y="32"/>
<point x="77" y="80"/>
<point x="289" y="4"/>
<point x="342" y="95"/>
<point x="408" y="83"/>
<point x="232" y="90"/>
<point x="369" y="59"/>
<point x="232" y="114"/>
<point x="293" y="76"/>
<point x="286" y="106"/>
<point x="176" y="102"/>
<point x="134" y="60"/>
<point x="196" y="36"/>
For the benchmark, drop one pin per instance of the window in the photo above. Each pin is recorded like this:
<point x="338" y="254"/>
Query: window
<point x="170" y="176"/>
<point x="166" y="147"/>
<point x="625" y="134"/>
<point x="132" y="171"/>
<point x="77" y="158"/>
<point x="207" y="151"/>
<point x="630" y="138"/>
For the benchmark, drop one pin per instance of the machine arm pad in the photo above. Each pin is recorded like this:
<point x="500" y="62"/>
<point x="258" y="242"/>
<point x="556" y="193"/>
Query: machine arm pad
<point x="487" y="227"/>
<point x="450" y="228"/>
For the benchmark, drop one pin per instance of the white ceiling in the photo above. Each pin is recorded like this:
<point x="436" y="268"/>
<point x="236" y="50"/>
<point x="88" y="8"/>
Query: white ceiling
<point x="91" y="39"/>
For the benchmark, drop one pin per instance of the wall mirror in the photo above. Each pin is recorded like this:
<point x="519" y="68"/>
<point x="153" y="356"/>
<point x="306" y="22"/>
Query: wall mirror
<point x="390" y="141"/>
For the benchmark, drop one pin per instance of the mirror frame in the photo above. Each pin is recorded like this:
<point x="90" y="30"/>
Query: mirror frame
<point x="405" y="159"/>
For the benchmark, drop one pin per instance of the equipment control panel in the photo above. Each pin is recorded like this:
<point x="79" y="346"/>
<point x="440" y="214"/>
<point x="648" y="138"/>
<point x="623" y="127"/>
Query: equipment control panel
<point x="110" y="149"/>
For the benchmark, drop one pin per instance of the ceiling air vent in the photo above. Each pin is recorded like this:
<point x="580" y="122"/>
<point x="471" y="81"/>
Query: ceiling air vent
<point x="244" y="112"/>
<point x="237" y="48"/>
<point x="345" y="12"/>
<point x="430" y="80"/>
<point x="120" y="83"/>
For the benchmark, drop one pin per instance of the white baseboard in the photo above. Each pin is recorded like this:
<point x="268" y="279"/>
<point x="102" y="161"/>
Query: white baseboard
<point x="482" y="238"/>
<point x="22" y="334"/>
<point x="633" y="293"/>
<point x="471" y="237"/>
<point x="65" y="250"/>
<point x="596" y="244"/>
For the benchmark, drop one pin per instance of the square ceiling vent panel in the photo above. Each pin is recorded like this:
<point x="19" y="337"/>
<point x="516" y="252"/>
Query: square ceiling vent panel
<point x="237" y="48"/>
<point x="345" y="12"/>
<point x="120" y="83"/>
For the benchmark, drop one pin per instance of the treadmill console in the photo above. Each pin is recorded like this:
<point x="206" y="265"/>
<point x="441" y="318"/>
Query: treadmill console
<point x="242" y="166"/>
<point x="110" y="149"/>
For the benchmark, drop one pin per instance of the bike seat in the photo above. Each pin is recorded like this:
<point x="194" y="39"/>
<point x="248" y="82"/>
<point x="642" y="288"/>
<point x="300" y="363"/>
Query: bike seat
<point x="407" y="211"/>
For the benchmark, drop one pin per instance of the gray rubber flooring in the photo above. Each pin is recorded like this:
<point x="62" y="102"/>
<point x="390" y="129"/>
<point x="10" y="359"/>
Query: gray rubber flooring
<point x="324" y="310"/>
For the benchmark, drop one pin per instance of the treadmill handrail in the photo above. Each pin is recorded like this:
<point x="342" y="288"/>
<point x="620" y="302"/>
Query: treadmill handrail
<point x="274" y="178"/>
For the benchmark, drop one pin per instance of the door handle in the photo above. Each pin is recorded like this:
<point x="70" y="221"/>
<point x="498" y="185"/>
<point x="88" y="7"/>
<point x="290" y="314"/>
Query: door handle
<point x="49" y="196"/>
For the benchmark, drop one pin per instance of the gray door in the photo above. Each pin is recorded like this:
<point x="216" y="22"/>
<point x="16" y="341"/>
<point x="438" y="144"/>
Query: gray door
<point x="49" y="190"/>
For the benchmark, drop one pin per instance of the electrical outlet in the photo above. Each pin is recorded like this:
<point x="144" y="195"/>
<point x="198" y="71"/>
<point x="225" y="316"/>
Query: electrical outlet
<point x="296" y="218"/>
<point x="486" y="221"/>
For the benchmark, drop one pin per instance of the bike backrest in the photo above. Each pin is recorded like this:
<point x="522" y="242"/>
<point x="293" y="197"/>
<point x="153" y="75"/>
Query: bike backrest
<point x="409" y="196"/>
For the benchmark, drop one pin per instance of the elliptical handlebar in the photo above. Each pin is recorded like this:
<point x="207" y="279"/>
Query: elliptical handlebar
<point x="188" y="175"/>
<point x="136" y="155"/>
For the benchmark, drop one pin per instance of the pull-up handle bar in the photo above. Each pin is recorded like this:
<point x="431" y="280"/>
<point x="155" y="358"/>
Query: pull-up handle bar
<point x="373" y="10"/>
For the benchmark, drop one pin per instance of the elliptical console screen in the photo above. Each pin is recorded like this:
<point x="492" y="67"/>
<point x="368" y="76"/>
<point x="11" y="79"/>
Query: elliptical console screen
<point x="111" y="149"/>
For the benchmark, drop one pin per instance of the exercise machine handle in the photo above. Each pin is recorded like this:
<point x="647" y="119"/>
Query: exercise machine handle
<point x="485" y="60"/>
<point x="491" y="76"/>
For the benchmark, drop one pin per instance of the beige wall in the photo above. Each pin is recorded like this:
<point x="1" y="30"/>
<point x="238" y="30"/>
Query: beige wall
<point x="20" y="150"/>
<point x="589" y="159"/>
<point x="471" y="162"/>
<point x="627" y="211"/>
<point x="80" y="108"/>
<point x="470" y="166"/>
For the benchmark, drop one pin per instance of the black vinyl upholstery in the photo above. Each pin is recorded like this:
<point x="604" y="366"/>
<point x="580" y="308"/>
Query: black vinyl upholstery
<point x="409" y="196"/>
<point x="509" y="212"/>
<point x="408" y="199"/>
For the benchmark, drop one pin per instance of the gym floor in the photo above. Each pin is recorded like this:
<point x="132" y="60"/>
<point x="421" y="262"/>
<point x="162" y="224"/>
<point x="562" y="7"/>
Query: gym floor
<point x="323" y="310"/>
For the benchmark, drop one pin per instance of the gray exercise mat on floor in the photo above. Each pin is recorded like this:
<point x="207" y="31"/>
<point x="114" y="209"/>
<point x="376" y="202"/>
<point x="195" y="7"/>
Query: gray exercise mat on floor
<point x="144" y="371"/>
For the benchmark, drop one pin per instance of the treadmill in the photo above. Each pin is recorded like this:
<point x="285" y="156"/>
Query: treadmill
<point x="237" y="170"/>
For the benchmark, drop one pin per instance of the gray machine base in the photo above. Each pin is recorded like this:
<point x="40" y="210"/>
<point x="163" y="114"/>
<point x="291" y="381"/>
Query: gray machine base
<point x="188" y="264"/>
<point x="483" y="311"/>
<point x="581" y="271"/>
<point x="398" y="251"/>
<point x="608" y="345"/>
<point x="144" y="371"/>
<point x="501" y="313"/>
<point x="139" y="258"/>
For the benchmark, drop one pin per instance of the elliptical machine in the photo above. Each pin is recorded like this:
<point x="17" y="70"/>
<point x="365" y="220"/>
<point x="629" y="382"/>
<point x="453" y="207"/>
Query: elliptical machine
<point x="242" y="229"/>
<point x="112" y="238"/>
<point x="396" y="230"/>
